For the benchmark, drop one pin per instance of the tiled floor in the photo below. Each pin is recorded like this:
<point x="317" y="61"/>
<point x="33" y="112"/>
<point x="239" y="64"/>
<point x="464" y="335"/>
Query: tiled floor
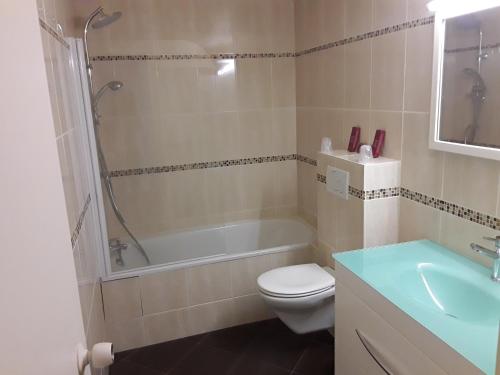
<point x="263" y="348"/>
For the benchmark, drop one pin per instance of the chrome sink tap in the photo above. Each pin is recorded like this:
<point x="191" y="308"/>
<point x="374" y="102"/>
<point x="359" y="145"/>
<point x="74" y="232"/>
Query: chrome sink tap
<point x="493" y="254"/>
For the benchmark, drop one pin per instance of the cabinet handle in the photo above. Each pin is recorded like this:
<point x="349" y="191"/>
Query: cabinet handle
<point x="372" y="351"/>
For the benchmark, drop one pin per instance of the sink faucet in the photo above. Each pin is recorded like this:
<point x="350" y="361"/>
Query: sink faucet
<point x="493" y="254"/>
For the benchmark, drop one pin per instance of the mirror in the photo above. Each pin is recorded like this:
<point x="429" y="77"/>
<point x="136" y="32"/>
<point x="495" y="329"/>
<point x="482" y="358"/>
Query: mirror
<point x="465" y="114"/>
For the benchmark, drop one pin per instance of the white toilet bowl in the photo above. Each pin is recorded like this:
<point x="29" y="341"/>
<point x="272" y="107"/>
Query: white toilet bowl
<point x="302" y="296"/>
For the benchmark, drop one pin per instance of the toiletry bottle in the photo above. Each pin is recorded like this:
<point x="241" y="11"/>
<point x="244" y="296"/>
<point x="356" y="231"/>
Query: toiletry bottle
<point x="354" y="140"/>
<point x="378" y="143"/>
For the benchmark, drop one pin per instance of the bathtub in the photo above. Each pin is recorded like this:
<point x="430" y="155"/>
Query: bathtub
<point x="213" y="244"/>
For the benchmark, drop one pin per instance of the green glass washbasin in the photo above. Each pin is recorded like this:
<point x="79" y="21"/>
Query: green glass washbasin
<point x="448" y="294"/>
<point x="451" y="293"/>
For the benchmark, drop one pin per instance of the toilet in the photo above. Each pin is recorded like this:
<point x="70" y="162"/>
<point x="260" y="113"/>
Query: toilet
<point x="302" y="296"/>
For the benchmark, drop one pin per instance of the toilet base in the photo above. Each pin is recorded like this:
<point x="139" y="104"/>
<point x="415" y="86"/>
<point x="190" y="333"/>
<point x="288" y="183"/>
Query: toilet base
<point x="305" y="314"/>
<point x="309" y="321"/>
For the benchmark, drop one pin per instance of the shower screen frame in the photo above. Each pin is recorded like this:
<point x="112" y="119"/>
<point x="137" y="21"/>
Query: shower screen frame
<point x="79" y="69"/>
<point x="447" y="10"/>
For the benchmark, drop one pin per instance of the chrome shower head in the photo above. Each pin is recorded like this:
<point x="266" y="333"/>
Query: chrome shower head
<point x="103" y="19"/>
<point x="112" y="85"/>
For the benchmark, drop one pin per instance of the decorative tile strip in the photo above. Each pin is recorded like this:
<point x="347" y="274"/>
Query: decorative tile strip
<point x="472" y="48"/>
<point x="305" y="159"/>
<point x="53" y="33"/>
<point x="366" y="195"/>
<point x="201" y="165"/>
<point x="216" y="56"/>
<point x="439" y="204"/>
<point x="370" y="35"/>
<point x="76" y="231"/>
<point x="453" y="209"/>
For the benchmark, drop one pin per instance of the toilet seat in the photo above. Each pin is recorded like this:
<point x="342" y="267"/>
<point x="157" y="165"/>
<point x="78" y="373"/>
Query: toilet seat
<point x="295" y="281"/>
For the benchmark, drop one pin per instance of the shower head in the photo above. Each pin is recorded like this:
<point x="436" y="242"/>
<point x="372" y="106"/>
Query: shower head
<point x="102" y="19"/>
<point x="112" y="85"/>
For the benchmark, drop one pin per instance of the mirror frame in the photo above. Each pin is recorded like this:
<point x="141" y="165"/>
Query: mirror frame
<point x="449" y="9"/>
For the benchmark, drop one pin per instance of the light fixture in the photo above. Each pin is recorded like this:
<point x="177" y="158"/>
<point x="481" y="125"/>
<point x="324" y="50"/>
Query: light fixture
<point x="453" y="8"/>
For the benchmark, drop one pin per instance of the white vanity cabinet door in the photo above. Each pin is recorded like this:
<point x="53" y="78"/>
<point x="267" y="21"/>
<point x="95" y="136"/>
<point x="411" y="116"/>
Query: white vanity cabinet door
<point x="365" y="344"/>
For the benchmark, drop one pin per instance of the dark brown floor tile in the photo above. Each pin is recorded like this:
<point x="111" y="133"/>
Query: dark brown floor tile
<point x="234" y="339"/>
<point x="249" y="366"/>
<point x="164" y="357"/>
<point x="277" y="345"/>
<point x="317" y="359"/>
<point x="206" y="360"/>
<point x="125" y="367"/>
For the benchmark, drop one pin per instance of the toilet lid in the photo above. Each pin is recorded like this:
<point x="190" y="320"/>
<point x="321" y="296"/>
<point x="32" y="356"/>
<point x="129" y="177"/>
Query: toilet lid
<point x="303" y="279"/>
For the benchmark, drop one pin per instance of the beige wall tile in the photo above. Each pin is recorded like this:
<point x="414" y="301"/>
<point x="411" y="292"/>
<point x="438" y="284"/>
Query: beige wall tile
<point x="358" y="17"/>
<point x="422" y="168"/>
<point x="418" y="221"/>
<point x="249" y="309"/>
<point x="163" y="291"/>
<point x="253" y="77"/>
<point x="360" y="119"/>
<point x="392" y="123"/>
<point x="457" y="234"/>
<point x="122" y="300"/>
<point x="471" y="182"/>
<point x="208" y="283"/>
<point x="388" y="72"/>
<point x="165" y="326"/>
<point x="333" y="79"/>
<point x="388" y="13"/>
<point x="327" y="216"/>
<point x="381" y="221"/>
<point x="418" y="76"/>
<point x="350" y="227"/>
<point x="210" y="317"/>
<point x="418" y="9"/>
<point x="357" y="74"/>
<point x="127" y="334"/>
<point x="285" y="183"/>
<point x="284" y="131"/>
<point x="283" y="82"/>
<point x="255" y="133"/>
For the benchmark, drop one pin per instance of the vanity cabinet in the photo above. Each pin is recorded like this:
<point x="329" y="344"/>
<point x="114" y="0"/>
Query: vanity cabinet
<point x="374" y="337"/>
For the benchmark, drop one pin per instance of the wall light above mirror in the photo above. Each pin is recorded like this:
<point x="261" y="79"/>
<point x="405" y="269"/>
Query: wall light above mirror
<point x="465" y="108"/>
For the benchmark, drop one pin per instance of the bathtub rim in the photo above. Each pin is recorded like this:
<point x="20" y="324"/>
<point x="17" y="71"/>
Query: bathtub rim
<point x="140" y="271"/>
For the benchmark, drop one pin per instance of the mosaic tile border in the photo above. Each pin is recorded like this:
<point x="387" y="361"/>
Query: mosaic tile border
<point x="53" y="33"/>
<point x="366" y="195"/>
<point x="307" y="160"/>
<point x="369" y="35"/>
<point x="439" y="204"/>
<point x="453" y="209"/>
<point x="472" y="48"/>
<point x="79" y="224"/>
<point x="215" y="56"/>
<point x="270" y="55"/>
<point x="201" y="165"/>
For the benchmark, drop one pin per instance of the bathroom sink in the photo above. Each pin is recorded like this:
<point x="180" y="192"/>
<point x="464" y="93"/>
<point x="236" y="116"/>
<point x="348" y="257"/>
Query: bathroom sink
<point x="454" y="294"/>
<point x="448" y="294"/>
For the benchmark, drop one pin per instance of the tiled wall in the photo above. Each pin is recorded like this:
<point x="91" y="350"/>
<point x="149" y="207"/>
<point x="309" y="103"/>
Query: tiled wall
<point x="383" y="80"/>
<point x="203" y="82"/>
<point x="71" y="137"/>
<point x="167" y="305"/>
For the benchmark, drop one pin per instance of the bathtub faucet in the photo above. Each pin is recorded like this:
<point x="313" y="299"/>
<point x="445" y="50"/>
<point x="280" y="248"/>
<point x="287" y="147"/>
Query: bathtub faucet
<point x="116" y="247"/>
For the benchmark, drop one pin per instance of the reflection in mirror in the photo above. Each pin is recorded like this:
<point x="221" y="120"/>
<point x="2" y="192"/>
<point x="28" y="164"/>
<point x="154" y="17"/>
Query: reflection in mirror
<point x="470" y="102"/>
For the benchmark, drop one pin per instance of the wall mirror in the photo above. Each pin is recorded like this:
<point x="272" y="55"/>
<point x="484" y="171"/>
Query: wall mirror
<point x="465" y="108"/>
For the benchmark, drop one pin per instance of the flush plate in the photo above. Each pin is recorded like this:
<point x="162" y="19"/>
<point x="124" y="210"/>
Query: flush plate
<point x="337" y="182"/>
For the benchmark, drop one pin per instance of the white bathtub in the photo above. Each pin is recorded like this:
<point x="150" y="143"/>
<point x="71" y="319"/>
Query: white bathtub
<point x="214" y="244"/>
